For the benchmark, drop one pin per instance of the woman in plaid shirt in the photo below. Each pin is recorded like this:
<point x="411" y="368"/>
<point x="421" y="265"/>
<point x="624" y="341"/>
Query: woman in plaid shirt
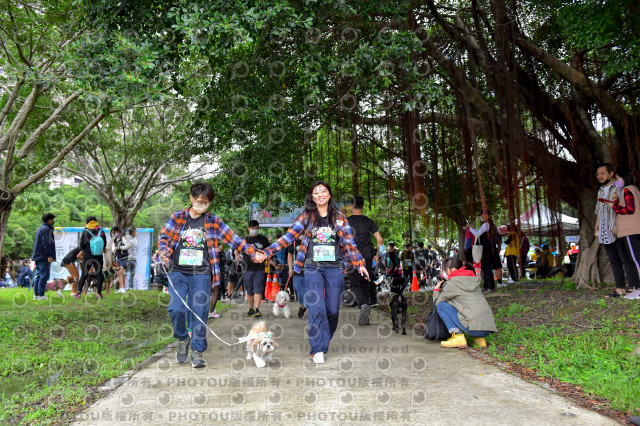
<point x="327" y="244"/>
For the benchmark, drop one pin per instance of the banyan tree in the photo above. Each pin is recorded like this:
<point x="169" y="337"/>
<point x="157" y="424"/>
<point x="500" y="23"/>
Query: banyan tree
<point x="457" y="105"/>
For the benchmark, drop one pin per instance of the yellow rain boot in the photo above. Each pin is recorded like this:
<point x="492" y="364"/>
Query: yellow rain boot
<point x="455" y="341"/>
<point x="479" y="341"/>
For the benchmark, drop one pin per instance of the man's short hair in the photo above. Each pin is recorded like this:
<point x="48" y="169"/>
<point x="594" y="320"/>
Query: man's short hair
<point x="421" y="244"/>
<point x="91" y="219"/>
<point x="202" y="188"/>
<point x="47" y="217"/>
<point x="253" y="224"/>
<point x="607" y="166"/>
<point x="429" y="246"/>
<point x="358" y="202"/>
<point x="392" y="244"/>
<point x="408" y="245"/>
<point x="115" y="228"/>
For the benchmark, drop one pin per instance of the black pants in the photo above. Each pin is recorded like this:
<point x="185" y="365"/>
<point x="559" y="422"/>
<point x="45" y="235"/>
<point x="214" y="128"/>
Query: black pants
<point x="487" y="274"/>
<point x="513" y="267"/>
<point x="624" y="256"/>
<point x="363" y="290"/>
<point x="87" y="264"/>
<point x="468" y="254"/>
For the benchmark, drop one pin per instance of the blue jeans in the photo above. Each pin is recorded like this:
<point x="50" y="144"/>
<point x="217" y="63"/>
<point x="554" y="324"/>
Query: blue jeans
<point x="322" y="298"/>
<point x="196" y="291"/>
<point x="299" y="288"/>
<point x="43" y="268"/>
<point x="449" y="316"/>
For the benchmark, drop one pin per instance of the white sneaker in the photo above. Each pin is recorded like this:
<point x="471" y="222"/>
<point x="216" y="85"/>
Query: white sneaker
<point x="501" y="285"/>
<point x="511" y="281"/>
<point x="44" y="298"/>
<point x="635" y="294"/>
<point x="318" y="358"/>
<point x="36" y="297"/>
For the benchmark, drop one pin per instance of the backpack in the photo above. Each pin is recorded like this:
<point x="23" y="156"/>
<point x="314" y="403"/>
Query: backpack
<point x="96" y="244"/>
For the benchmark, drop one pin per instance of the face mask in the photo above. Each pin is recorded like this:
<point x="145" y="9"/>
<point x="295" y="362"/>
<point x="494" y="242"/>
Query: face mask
<point x="620" y="183"/>
<point x="199" y="209"/>
<point x="253" y="232"/>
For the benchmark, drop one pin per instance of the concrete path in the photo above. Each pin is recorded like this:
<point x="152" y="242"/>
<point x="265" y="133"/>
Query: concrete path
<point x="371" y="375"/>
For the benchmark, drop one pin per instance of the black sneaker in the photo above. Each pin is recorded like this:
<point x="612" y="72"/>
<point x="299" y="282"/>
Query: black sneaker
<point x="251" y="312"/>
<point x="365" y="310"/>
<point x="257" y="314"/>
<point x="196" y="360"/>
<point x="301" y="311"/>
<point x="183" y="350"/>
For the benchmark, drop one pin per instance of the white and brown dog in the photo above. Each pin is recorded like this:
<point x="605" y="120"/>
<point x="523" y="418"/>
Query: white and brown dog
<point x="281" y="307"/>
<point x="260" y="345"/>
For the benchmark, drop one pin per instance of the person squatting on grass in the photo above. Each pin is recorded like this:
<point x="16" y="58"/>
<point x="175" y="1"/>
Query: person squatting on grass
<point x="627" y="229"/>
<point x="462" y="306"/>
<point x="188" y="246"/>
<point x="44" y="253"/>
<point x="327" y="242"/>
<point x="92" y="254"/>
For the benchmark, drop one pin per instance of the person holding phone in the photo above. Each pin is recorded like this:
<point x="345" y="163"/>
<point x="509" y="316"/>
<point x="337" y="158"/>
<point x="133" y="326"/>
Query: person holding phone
<point x="627" y="230"/>
<point x="605" y="220"/>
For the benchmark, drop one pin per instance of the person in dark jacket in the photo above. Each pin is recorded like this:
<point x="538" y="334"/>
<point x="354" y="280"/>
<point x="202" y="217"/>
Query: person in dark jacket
<point x="44" y="253"/>
<point x="25" y="275"/>
<point x="90" y="260"/>
<point x="462" y="306"/>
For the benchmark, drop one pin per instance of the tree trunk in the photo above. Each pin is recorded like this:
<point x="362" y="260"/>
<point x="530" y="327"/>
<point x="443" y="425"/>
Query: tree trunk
<point x="6" y="204"/>
<point x="592" y="264"/>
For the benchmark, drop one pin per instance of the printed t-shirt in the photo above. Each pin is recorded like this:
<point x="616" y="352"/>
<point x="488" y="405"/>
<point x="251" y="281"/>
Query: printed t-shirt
<point x="191" y="256"/>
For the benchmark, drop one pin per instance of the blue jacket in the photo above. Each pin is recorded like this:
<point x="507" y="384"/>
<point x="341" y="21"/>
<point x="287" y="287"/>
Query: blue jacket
<point x="25" y="272"/>
<point x="44" y="246"/>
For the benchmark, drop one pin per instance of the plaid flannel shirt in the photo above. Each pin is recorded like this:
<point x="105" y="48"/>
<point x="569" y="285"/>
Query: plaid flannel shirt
<point x="214" y="228"/>
<point x="350" y="253"/>
<point x="630" y="205"/>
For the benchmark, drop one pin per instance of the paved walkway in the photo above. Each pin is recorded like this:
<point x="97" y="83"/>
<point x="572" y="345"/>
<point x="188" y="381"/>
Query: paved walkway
<point x="370" y="375"/>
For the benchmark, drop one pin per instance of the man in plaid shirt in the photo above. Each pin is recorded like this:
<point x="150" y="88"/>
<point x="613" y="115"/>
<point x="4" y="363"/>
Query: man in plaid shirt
<point x="188" y="246"/>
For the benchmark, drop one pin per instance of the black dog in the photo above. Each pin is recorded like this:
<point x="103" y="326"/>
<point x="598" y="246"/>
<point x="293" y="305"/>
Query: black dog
<point x="398" y="304"/>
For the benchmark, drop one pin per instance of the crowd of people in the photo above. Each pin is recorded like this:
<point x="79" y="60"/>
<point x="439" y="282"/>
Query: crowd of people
<point x="92" y="254"/>
<point x="325" y="252"/>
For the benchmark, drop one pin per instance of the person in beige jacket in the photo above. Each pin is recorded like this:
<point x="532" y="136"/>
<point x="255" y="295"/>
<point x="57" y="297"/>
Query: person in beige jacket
<point x="461" y="305"/>
<point x="627" y="229"/>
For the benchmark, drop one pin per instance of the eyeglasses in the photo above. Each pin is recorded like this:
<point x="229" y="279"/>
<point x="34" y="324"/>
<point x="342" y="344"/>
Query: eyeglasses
<point x="602" y="173"/>
<point x="201" y="203"/>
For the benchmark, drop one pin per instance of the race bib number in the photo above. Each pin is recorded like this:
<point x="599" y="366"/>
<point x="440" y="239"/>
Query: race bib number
<point x="408" y="262"/>
<point x="324" y="253"/>
<point x="190" y="257"/>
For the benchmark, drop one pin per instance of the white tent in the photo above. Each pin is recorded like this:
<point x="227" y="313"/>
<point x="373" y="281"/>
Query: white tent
<point x="540" y="219"/>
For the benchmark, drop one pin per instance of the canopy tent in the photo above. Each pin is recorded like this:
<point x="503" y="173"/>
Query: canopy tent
<point x="540" y="219"/>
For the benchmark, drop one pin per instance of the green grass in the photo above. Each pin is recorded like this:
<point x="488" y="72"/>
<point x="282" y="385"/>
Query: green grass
<point x="55" y="351"/>
<point x="598" y="357"/>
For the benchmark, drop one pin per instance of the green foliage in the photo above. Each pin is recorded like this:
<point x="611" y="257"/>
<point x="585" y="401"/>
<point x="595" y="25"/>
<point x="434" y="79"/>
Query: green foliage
<point x="53" y="358"/>
<point x="71" y="207"/>
<point x="598" y="359"/>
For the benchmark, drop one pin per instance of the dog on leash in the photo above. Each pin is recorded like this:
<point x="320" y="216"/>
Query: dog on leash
<point x="398" y="304"/>
<point x="281" y="307"/>
<point x="260" y="345"/>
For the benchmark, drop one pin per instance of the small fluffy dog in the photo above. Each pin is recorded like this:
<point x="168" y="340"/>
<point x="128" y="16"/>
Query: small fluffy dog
<point x="281" y="307"/>
<point x="260" y="345"/>
<point x="398" y="304"/>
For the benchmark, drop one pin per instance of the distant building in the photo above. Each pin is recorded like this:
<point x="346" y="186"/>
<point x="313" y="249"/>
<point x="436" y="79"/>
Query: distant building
<point x="57" y="179"/>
